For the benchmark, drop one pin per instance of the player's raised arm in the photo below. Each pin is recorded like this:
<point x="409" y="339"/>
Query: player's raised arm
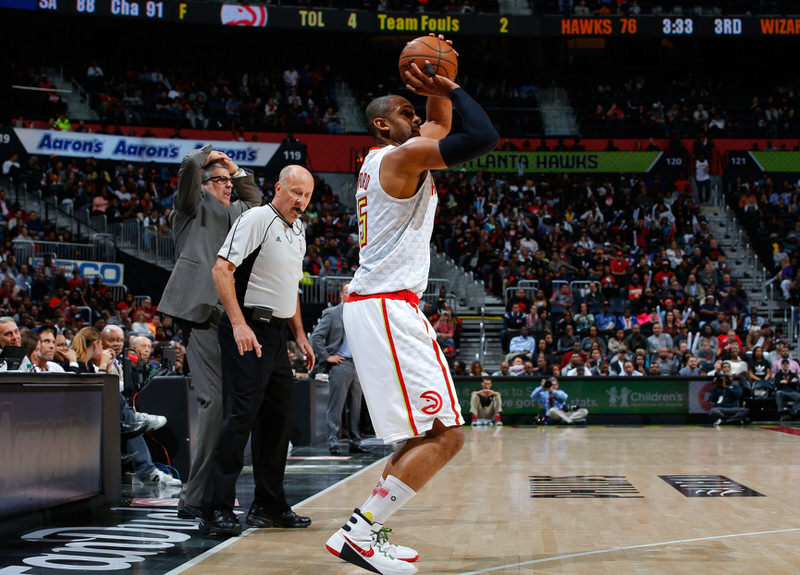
<point x="438" y="113"/>
<point x="413" y="154"/>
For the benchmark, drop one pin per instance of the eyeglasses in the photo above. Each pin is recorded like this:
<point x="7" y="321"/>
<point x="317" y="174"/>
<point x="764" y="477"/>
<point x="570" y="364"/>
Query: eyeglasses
<point x="220" y="180"/>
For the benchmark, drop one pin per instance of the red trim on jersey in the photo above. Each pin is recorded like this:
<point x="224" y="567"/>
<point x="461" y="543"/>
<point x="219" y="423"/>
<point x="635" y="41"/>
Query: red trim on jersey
<point x="400" y="380"/>
<point x="447" y="382"/>
<point x="403" y="295"/>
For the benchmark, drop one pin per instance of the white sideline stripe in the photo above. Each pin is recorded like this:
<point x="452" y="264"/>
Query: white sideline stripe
<point x="628" y="548"/>
<point x="192" y="562"/>
<point x="216" y="549"/>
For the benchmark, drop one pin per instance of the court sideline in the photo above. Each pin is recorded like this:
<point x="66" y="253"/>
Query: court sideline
<point x="654" y="500"/>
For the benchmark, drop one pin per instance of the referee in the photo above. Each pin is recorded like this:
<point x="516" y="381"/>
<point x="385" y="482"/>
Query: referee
<point x="256" y="275"/>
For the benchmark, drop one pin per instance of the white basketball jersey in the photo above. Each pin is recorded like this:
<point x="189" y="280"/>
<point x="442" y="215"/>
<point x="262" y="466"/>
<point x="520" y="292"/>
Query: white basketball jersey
<point x="394" y="234"/>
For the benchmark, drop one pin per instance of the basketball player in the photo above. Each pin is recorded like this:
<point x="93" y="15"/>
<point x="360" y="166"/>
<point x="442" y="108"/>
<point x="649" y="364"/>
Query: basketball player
<point x="404" y="374"/>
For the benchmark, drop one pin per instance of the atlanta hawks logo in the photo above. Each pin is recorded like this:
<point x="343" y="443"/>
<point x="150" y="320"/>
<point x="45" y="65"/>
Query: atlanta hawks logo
<point x="235" y="15"/>
<point x="434" y="402"/>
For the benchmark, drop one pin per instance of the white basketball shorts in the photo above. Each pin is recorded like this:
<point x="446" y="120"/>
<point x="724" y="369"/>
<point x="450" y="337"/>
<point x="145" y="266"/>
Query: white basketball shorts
<point x="402" y="370"/>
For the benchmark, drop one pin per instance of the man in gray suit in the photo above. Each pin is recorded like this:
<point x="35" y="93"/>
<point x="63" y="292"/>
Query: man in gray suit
<point x="329" y="341"/>
<point x="202" y="216"/>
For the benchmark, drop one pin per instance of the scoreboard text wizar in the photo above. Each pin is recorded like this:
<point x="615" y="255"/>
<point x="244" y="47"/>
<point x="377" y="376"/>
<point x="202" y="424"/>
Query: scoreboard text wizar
<point x="259" y="15"/>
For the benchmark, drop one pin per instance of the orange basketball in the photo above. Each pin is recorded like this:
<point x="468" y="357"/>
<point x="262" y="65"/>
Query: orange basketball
<point x="442" y="57"/>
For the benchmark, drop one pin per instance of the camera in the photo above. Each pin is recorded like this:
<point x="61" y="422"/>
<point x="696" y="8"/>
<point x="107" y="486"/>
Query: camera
<point x="547" y="384"/>
<point x="722" y="380"/>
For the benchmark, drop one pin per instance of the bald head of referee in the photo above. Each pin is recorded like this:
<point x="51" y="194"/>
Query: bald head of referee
<point x="293" y="191"/>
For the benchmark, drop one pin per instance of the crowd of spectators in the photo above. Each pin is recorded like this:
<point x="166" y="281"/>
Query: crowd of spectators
<point x="497" y="227"/>
<point x="301" y="98"/>
<point x="140" y="192"/>
<point x="698" y="325"/>
<point x="630" y="278"/>
<point x="769" y="211"/>
<point x="298" y="98"/>
<point x="652" y="106"/>
<point x="505" y="228"/>
<point x="50" y="294"/>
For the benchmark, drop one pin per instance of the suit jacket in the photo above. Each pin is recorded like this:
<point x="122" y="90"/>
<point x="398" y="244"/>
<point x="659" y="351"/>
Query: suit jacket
<point x="328" y="333"/>
<point x="200" y="224"/>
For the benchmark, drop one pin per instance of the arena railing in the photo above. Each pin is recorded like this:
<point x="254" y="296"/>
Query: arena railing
<point x="325" y="289"/>
<point x="117" y="292"/>
<point x="475" y="293"/>
<point x="482" y="348"/>
<point x="50" y="211"/>
<point x="435" y="286"/>
<point x="578" y="289"/>
<point x="27" y="250"/>
<point x="469" y="292"/>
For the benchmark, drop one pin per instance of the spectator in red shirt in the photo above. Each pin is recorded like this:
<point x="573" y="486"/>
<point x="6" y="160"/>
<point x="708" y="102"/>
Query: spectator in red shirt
<point x="126" y="303"/>
<point x="75" y="282"/>
<point x="147" y="308"/>
<point x="725" y="337"/>
<point x="59" y="301"/>
<point x="619" y="265"/>
<point x="575" y="351"/>
<point x="664" y="275"/>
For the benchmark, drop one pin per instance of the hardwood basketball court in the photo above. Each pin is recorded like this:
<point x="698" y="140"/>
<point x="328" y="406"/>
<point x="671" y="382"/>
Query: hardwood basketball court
<point x="552" y="500"/>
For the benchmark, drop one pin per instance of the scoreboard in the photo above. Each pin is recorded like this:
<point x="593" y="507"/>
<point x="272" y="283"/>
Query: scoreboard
<point x="262" y="16"/>
<point x="673" y="26"/>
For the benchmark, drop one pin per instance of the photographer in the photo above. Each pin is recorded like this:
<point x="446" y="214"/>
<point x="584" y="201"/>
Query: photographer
<point x="725" y="398"/>
<point x="553" y="400"/>
<point x="167" y="359"/>
<point x="787" y="387"/>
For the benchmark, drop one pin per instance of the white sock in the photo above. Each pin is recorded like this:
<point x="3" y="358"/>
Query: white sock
<point x="388" y="498"/>
<point x="375" y="490"/>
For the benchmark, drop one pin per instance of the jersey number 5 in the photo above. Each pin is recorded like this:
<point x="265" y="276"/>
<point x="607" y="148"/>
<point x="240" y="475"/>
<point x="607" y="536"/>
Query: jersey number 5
<point x="362" y="221"/>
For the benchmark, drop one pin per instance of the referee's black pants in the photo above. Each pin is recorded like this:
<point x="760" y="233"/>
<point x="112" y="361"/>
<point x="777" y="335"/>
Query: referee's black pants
<point x="257" y="397"/>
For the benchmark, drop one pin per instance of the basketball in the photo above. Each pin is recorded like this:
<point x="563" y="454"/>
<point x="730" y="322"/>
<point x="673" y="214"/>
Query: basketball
<point x="442" y="57"/>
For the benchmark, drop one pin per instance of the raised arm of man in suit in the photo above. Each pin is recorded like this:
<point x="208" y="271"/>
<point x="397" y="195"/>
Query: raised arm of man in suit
<point x="191" y="180"/>
<point x="245" y="185"/>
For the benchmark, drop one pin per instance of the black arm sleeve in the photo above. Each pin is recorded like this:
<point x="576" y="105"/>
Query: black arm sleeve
<point x="477" y="137"/>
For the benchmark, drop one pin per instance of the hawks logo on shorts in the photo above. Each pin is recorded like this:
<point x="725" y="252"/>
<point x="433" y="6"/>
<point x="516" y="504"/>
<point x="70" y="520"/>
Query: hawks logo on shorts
<point x="434" y="402"/>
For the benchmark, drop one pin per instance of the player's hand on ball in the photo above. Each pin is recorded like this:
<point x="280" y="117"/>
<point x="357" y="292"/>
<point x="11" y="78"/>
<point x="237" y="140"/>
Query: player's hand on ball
<point x="421" y="83"/>
<point x="432" y="54"/>
<point x="441" y="37"/>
